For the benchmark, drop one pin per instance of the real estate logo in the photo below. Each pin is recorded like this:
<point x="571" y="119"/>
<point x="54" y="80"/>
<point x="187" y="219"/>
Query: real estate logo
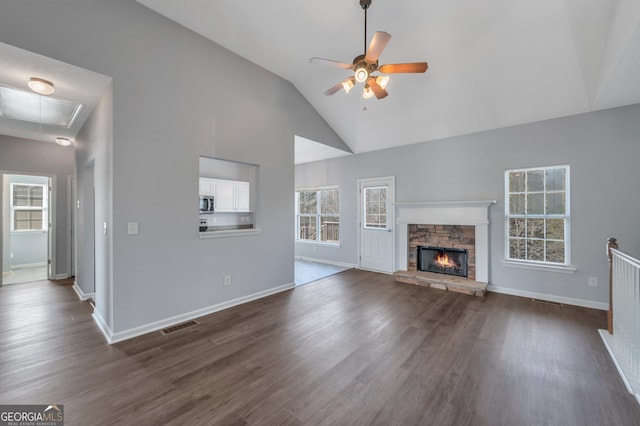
<point x="32" y="415"/>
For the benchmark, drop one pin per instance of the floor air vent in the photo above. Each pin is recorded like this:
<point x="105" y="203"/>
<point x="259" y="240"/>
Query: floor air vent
<point x="179" y="327"/>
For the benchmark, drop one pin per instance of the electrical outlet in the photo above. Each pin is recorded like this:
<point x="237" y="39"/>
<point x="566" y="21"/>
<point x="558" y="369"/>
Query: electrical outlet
<point x="227" y="280"/>
<point x="593" y="282"/>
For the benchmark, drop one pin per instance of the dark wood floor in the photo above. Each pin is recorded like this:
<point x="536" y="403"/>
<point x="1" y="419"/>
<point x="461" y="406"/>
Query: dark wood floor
<point x="355" y="348"/>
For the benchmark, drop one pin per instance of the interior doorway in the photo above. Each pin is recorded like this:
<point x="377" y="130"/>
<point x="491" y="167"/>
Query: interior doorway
<point x="26" y="228"/>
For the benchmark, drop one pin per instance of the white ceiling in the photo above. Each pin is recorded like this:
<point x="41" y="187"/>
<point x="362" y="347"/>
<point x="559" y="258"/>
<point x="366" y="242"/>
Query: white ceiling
<point x="70" y="82"/>
<point x="492" y="63"/>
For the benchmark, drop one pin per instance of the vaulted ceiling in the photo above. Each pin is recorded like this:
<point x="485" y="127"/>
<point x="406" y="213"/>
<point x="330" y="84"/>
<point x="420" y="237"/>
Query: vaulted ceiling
<point x="492" y="64"/>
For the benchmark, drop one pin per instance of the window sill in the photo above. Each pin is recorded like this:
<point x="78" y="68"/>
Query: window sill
<point x="540" y="267"/>
<point x="319" y="243"/>
<point x="229" y="233"/>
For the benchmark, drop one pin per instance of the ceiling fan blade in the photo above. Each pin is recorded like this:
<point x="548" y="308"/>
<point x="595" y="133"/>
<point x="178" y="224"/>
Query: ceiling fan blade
<point x="378" y="43"/>
<point x="331" y="63"/>
<point x="404" y="68"/>
<point x="377" y="89"/>
<point x="333" y="89"/>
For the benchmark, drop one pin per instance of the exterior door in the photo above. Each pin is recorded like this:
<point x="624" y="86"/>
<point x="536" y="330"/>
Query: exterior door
<point x="377" y="231"/>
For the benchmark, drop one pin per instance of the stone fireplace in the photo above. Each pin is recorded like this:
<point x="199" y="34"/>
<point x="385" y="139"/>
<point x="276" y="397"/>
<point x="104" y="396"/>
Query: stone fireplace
<point x="459" y="225"/>
<point x="457" y="237"/>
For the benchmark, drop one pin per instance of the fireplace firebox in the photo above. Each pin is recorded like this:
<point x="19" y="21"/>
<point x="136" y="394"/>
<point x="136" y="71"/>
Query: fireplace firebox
<point x="443" y="260"/>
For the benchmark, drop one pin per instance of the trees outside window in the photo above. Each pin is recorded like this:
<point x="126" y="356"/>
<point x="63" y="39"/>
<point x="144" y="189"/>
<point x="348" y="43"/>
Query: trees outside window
<point x="318" y="215"/>
<point x="537" y="215"/>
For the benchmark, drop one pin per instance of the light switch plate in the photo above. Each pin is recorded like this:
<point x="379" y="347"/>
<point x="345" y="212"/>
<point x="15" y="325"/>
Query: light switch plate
<point x="132" y="228"/>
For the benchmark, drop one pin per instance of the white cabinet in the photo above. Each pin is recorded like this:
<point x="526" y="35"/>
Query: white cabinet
<point x="206" y="186"/>
<point x="230" y="195"/>
<point x="225" y="200"/>
<point x="243" y="196"/>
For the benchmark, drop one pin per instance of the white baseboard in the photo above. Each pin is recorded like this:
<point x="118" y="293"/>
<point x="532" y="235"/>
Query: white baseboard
<point x="168" y="322"/>
<point x="607" y="339"/>
<point x="81" y="294"/>
<point x="28" y="265"/>
<point x="549" y="297"/>
<point x="62" y="276"/>
<point x="102" y="325"/>
<point x="327" y="262"/>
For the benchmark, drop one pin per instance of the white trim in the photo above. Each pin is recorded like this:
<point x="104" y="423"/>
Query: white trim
<point x="81" y="294"/>
<point x="474" y="213"/>
<point x="28" y="265"/>
<point x="549" y="297"/>
<point x="540" y="266"/>
<point x="391" y="219"/>
<point x="167" y="322"/>
<point x="626" y="258"/>
<point x="607" y="339"/>
<point x="327" y="262"/>
<point x="566" y="216"/>
<point x="229" y="233"/>
<point x="102" y="325"/>
<point x="71" y="213"/>
<point x="62" y="276"/>
<point x="479" y="203"/>
<point x="319" y="243"/>
<point x="318" y="188"/>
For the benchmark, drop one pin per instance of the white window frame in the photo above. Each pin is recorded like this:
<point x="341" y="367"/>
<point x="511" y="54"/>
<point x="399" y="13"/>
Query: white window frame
<point x="564" y="267"/>
<point x="365" y="224"/>
<point x="44" y="208"/>
<point x="317" y="215"/>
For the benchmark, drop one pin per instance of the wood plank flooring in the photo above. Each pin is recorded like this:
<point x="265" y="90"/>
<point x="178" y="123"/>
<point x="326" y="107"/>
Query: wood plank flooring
<point x="356" y="348"/>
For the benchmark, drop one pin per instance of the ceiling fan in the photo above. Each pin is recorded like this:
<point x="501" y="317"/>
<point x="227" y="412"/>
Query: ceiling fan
<point x="366" y="64"/>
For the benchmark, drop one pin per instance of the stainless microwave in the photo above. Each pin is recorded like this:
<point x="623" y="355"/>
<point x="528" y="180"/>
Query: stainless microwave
<point x="206" y="204"/>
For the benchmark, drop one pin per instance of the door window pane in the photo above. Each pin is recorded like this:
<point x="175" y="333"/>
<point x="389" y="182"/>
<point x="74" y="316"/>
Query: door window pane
<point x="375" y="202"/>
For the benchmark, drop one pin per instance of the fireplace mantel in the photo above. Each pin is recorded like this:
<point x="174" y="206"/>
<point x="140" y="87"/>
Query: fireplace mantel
<point x="447" y="213"/>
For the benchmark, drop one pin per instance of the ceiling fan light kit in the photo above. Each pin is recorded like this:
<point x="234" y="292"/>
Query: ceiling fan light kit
<point x="365" y="65"/>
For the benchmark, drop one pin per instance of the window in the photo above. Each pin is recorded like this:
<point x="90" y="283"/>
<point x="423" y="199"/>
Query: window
<point x="28" y="207"/>
<point x="375" y="199"/>
<point x="318" y="215"/>
<point x="537" y="215"/>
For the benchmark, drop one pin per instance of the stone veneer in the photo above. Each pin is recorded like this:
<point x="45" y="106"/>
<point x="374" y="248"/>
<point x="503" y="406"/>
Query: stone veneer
<point x="449" y="236"/>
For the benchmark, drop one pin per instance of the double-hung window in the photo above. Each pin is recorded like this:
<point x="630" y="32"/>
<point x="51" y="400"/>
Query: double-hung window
<point x="318" y="215"/>
<point x="28" y="207"/>
<point x="537" y="215"/>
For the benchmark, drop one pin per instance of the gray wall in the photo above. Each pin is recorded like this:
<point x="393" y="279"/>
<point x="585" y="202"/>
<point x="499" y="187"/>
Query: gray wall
<point x="93" y="160"/>
<point x="602" y="149"/>
<point x="39" y="158"/>
<point x="162" y="122"/>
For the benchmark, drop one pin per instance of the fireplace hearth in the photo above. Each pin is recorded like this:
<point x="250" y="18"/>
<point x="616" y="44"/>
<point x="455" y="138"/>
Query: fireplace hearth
<point x="443" y="260"/>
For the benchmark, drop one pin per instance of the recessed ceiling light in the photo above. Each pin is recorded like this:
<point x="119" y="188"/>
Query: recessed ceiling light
<point x="63" y="141"/>
<point x="41" y="86"/>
